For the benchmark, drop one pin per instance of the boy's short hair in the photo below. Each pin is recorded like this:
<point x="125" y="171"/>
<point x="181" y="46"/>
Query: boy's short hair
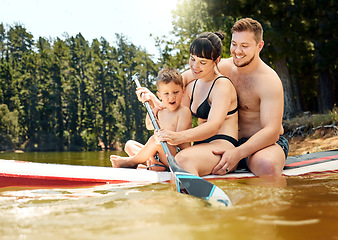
<point x="248" y="24"/>
<point x="168" y="75"/>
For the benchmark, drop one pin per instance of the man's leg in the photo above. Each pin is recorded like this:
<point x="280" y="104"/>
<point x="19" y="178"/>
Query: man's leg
<point x="267" y="161"/>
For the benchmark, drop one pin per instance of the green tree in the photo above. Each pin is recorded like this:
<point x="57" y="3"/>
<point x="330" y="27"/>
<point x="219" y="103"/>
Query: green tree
<point x="9" y="129"/>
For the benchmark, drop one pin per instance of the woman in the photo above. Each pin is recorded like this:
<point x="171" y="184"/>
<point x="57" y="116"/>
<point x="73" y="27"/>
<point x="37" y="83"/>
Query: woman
<point x="212" y="99"/>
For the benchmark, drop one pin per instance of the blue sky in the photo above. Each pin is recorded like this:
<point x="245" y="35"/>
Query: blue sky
<point x="136" y="19"/>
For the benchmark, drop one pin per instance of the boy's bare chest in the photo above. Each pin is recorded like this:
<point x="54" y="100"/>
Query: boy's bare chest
<point x="168" y="120"/>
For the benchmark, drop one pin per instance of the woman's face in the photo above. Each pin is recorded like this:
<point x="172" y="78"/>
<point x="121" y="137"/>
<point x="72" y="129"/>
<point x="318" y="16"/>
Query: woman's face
<point x="201" y="67"/>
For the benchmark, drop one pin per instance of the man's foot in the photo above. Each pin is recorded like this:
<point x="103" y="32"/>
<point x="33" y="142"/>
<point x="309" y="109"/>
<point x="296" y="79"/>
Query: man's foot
<point x="122" y="162"/>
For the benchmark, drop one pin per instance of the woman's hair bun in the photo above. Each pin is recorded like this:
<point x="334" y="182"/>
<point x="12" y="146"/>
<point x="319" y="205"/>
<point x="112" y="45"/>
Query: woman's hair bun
<point x="220" y="34"/>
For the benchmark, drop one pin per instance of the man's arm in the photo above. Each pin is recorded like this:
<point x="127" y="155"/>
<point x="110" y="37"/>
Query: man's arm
<point x="271" y="114"/>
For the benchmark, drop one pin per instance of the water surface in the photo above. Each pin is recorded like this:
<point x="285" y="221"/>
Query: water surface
<point x="303" y="207"/>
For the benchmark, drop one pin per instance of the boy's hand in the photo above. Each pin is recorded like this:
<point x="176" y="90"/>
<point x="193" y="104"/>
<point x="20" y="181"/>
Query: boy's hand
<point x="143" y="94"/>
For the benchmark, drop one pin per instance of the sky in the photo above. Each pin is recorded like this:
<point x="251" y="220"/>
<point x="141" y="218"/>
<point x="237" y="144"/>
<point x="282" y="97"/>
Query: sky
<point x="135" y="19"/>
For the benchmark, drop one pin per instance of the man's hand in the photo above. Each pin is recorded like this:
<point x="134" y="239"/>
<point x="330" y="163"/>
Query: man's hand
<point x="228" y="162"/>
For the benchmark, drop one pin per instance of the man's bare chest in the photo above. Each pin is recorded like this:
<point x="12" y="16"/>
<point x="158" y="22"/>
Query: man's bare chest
<point x="248" y="99"/>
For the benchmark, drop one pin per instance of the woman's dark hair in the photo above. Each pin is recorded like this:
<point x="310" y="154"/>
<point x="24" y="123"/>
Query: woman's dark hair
<point x="207" y="45"/>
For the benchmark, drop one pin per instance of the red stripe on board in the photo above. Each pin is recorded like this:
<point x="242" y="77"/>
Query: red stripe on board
<point x="311" y="161"/>
<point x="11" y="180"/>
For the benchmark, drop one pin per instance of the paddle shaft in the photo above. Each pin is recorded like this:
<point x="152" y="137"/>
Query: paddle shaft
<point x="155" y="123"/>
<point x="186" y="182"/>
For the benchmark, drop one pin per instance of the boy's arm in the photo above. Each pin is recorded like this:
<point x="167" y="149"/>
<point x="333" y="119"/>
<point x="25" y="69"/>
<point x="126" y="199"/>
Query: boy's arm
<point x="149" y="124"/>
<point x="184" y="122"/>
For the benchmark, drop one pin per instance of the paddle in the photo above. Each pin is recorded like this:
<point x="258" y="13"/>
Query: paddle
<point x="186" y="182"/>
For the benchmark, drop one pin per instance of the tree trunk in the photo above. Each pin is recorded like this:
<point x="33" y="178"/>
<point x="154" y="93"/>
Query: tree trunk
<point x="326" y="89"/>
<point x="289" y="102"/>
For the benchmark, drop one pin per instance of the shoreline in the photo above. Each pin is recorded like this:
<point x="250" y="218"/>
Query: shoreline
<point x="298" y="145"/>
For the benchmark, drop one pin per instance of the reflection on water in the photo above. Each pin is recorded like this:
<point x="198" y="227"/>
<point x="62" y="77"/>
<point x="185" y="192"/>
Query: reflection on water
<point x="99" y="158"/>
<point x="299" y="208"/>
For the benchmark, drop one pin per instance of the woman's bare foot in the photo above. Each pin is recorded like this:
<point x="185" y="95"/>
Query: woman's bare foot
<point x="122" y="162"/>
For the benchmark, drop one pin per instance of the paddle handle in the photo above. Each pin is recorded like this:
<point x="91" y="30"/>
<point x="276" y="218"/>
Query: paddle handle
<point x="147" y="105"/>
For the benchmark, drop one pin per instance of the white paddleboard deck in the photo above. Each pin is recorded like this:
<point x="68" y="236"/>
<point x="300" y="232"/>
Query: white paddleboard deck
<point x="19" y="173"/>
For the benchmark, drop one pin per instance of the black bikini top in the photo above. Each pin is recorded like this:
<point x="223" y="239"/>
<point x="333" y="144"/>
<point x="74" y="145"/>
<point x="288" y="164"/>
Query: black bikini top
<point x="204" y="108"/>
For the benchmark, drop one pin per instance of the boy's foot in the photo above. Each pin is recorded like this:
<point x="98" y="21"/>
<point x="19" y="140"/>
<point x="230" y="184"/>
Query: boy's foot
<point x="121" y="162"/>
<point x="156" y="166"/>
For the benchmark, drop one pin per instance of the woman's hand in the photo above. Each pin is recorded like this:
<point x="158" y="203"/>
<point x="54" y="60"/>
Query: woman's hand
<point x="172" y="138"/>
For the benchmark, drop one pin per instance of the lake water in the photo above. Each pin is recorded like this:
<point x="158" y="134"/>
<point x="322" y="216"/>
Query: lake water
<point x="294" y="208"/>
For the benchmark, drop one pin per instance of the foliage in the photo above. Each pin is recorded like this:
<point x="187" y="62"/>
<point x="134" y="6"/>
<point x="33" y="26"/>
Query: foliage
<point x="69" y="94"/>
<point x="9" y="135"/>
<point x="299" y="36"/>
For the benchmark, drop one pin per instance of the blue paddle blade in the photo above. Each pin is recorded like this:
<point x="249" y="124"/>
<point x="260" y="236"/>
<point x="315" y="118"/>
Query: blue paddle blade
<point x="190" y="184"/>
<point x="196" y="186"/>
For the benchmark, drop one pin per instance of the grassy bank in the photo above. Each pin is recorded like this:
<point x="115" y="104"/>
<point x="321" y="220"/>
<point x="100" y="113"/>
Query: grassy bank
<point x="308" y="133"/>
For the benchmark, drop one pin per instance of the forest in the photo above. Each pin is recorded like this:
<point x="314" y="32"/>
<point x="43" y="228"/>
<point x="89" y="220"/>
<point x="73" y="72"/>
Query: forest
<point x="69" y="94"/>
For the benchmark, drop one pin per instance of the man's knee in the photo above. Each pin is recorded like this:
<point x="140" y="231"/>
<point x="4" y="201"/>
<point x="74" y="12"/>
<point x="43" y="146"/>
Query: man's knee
<point x="266" y="165"/>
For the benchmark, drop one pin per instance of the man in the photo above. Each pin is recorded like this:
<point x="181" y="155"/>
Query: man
<point x="260" y="98"/>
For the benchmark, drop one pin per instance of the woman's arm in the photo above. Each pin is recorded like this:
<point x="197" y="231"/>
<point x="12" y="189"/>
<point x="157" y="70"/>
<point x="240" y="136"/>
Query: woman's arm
<point x="220" y="105"/>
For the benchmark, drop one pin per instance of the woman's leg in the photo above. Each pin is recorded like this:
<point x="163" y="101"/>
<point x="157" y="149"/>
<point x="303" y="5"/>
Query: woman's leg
<point x="132" y="147"/>
<point x="199" y="159"/>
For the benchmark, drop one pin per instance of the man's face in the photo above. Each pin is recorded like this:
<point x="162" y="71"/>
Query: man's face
<point x="244" y="48"/>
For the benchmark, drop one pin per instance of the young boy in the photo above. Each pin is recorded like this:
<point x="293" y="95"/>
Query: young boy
<point x="173" y="116"/>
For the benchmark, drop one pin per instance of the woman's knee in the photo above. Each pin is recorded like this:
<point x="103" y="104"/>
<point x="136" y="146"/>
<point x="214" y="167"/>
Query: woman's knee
<point x="182" y="159"/>
<point x="129" y="145"/>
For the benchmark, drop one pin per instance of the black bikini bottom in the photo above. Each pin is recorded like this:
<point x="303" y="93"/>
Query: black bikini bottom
<point x="219" y="136"/>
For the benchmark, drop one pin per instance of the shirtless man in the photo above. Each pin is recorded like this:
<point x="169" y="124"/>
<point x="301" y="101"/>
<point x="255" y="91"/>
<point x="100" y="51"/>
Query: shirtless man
<point x="261" y="148"/>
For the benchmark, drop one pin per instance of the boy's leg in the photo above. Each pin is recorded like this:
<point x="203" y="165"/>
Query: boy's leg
<point x="149" y="150"/>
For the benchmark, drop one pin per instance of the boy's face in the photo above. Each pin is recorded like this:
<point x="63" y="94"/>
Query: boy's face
<point x="171" y="95"/>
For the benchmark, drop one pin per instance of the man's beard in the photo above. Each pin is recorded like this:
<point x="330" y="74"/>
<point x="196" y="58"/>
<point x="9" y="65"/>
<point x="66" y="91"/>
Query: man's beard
<point x="245" y="63"/>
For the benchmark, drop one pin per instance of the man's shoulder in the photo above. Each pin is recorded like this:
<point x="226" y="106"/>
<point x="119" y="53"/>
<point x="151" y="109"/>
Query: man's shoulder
<point x="266" y="73"/>
<point x="225" y="62"/>
<point x="225" y="66"/>
<point x="187" y="77"/>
